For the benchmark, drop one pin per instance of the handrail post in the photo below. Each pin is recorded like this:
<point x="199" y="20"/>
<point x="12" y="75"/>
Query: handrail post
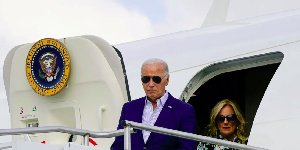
<point x="26" y="137"/>
<point x="127" y="137"/>
<point x="86" y="140"/>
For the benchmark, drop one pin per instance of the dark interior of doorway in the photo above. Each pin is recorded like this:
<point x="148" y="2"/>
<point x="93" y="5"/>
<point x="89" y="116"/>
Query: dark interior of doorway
<point x="246" y="87"/>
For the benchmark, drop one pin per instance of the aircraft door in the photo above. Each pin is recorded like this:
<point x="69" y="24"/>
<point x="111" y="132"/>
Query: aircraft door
<point x="91" y="92"/>
<point x="242" y="80"/>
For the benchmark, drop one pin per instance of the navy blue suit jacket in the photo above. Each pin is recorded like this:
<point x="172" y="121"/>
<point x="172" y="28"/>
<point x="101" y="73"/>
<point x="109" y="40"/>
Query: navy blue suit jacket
<point x="176" y="115"/>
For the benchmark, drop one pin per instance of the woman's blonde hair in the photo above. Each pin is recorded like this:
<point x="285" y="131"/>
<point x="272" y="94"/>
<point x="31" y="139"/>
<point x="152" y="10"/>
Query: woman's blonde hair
<point x="240" y="130"/>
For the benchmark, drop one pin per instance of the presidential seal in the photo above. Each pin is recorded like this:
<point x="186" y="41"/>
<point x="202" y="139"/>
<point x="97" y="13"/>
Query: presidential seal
<point x="48" y="67"/>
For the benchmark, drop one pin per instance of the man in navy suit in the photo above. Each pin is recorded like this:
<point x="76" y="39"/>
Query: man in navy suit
<point x="158" y="108"/>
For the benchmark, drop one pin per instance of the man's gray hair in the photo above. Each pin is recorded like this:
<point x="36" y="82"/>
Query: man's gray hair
<point x="153" y="61"/>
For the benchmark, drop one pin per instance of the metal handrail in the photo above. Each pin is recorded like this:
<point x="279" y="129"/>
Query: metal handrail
<point x="135" y="125"/>
<point x="47" y="129"/>
<point x="129" y="127"/>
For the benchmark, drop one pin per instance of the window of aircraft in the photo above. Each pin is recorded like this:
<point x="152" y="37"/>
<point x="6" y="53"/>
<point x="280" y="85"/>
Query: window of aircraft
<point x="243" y="80"/>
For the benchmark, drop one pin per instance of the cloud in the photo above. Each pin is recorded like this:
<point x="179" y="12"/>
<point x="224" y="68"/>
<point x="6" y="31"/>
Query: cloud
<point x="31" y="20"/>
<point x="182" y="15"/>
<point x="34" y="19"/>
<point x="154" y="9"/>
<point x="252" y="8"/>
<point x="190" y="14"/>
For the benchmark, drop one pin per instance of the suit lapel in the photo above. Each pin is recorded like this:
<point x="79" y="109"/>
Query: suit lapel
<point x="166" y="111"/>
<point x="140" y="110"/>
<point x="139" y="116"/>
<point x="164" y="114"/>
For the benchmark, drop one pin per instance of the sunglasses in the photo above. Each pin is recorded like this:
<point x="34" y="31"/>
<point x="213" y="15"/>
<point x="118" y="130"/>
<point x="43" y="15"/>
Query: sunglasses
<point x="156" y="79"/>
<point x="230" y="118"/>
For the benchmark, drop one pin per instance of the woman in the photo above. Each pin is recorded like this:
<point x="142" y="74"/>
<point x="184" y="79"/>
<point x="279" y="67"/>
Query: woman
<point x="227" y="123"/>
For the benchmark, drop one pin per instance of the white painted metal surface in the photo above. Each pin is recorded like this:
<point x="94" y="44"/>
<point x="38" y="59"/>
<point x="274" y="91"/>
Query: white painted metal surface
<point x="96" y="80"/>
<point x="277" y="120"/>
<point x="189" y="51"/>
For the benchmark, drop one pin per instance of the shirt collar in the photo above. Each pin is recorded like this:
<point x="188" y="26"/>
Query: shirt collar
<point x="221" y="137"/>
<point x="160" y="101"/>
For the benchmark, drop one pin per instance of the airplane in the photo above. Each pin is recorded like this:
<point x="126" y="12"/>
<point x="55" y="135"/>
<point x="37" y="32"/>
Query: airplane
<point x="252" y="61"/>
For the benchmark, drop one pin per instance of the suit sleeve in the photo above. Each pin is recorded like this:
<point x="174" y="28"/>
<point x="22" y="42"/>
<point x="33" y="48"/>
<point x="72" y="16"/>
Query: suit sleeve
<point x="118" y="144"/>
<point x="188" y="124"/>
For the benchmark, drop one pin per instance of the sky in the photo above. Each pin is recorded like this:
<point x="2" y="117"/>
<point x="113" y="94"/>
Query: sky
<point x="116" y="21"/>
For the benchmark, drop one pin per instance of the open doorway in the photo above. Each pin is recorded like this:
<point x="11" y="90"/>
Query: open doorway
<point x="242" y="80"/>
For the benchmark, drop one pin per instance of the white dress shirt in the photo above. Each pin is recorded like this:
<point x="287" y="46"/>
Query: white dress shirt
<point x="150" y="116"/>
